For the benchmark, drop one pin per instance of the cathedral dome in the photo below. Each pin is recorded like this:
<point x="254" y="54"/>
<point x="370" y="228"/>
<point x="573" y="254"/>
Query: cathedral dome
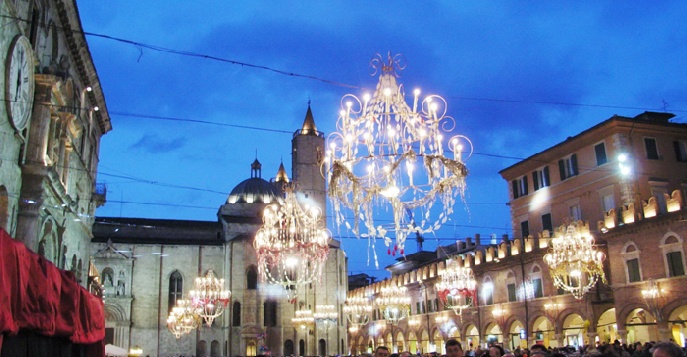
<point x="254" y="189"/>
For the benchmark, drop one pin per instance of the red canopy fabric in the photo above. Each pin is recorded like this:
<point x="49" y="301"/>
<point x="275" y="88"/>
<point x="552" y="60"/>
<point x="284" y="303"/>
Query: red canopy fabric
<point x="37" y="296"/>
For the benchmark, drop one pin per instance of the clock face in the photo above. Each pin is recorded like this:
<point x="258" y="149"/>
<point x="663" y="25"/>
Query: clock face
<point x="19" y="82"/>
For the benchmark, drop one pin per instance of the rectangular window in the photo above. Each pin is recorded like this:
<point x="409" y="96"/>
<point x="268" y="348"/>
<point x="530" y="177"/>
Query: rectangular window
<point x="651" y="148"/>
<point x="546" y="223"/>
<point x="680" y="151"/>
<point x="574" y="212"/>
<point x="519" y="187"/>
<point x="568" y="167"/>
<point x="633" y="270"/>
<point x="417" y="308"/>
<point x="511" y="292"/>
<point x="675" y="267"/>
<point x="537" y="288"/>
<point x="607" y="202"/>
<point x="600" y="150"/>
<point x="525" y="228"/>
<point x="540" y="178"/>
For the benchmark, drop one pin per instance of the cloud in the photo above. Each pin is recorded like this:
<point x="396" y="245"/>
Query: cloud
<point x="153" y="143"/>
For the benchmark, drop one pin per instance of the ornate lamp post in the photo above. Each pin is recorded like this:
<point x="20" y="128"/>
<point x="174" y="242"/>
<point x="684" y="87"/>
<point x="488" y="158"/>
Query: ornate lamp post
<point x="574" y="262"/>
<point x="377" y="155"/>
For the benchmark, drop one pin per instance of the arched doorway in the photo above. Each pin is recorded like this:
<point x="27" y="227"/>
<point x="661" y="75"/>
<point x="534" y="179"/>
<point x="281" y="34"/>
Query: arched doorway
<point x="516" y="331"/>
<point x="493" y="333"/>
<point x="202" y="349"/>
<point x="288" y="348"/>
<point x="543" y="331"/>
<point x="574" y="330"/>
<point x="607" y="327"/>
<point x="677" y="320"/>
<point x="301" y="348"/>
<point x="424" y="341"/>
<point x="640" y="326"/>
<point x="438" y="342"/>
<point x="412" y="342"/>
<point x="322" y="347"/>
<point x="400" y="342"/>
<point x="471" y="337"/>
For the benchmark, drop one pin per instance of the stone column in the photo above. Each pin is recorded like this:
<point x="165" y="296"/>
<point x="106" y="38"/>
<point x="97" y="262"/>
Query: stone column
<point x="623" y="336"/>
<point x="591" y="337"/>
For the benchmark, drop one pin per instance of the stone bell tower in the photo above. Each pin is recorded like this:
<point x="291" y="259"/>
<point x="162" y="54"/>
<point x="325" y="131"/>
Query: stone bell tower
<point x="307" y="147"/>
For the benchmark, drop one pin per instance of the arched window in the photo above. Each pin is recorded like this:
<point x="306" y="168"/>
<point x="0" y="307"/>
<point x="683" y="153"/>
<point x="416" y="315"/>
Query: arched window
<point x="252" y="278"/>
<point x="633" y="271"/>
<point x="511" y="287"/>
<point x="536" y="280"/>
<point x="108" y="274"/>
<point x="236" y="314"/>
<point x="214" y="348"/>
<point x="487" y="291"/>
<point x="176" y="288"/>
<point x="673" y="254"/>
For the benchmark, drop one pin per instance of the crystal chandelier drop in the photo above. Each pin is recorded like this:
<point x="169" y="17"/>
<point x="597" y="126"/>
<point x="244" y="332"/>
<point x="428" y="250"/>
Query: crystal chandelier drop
<point x="394" y="303"/>
<point x="457" y="287"/>
<point x="209" y="298"/>
<point x="574" y="261"/>
<point x="292" y="245"/>
<point x="325" y="316"/>
<point x="303" y="318"/>
<point x="357" y="310"/>
<point x="388" y="157"/>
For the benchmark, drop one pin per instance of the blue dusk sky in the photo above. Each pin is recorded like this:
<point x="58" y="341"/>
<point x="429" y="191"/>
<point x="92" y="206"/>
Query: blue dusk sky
<point x="195" y="89"/>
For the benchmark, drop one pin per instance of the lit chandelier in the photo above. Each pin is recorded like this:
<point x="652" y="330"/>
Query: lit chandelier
<point x="394" y="303"/>
<point x="209" y="298"/>
<point x="574" y="262"/>
<point x="376" y="158"/>
<point x="183" y="318"/>
<point x="292" y="245"/>
<point x="457" y="287"/>
<point x="325" y="316"/>
<point x="303" y="318"/>
<point x="357" y="310"/>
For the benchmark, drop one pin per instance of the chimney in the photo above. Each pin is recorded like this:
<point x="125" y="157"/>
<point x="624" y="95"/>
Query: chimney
<point x="477" y="242"/>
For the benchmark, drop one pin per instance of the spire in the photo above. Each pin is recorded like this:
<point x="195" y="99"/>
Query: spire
<point x="309" y="127"/>
<point x="281" y="174"/>
<point x="256" y="169"/>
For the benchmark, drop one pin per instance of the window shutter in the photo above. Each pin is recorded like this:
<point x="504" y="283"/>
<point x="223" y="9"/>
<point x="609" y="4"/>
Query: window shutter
<point x="573" y="163"/>
<point x="515" y="188"/>
<point x="546" y="182"/>
<point x="524" y="185"/>
<point x="678" y="156"/>
<point x="561" y="169"/>
<point x="535" y="180"/>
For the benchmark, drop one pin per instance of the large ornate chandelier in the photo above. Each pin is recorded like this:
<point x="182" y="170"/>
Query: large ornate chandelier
<point x="357" y="311"/>
<point x="303" y="318"/>
<point x="183" y="318"/>
<point x="574" y="262"/>
<point x="325" y="316"/>
<point x="292" y="245"/>
<point x="394" y="303"/>
<point x="457" y="287"/>
<point x="209" y="298"/>
<point x="388" y="157"/>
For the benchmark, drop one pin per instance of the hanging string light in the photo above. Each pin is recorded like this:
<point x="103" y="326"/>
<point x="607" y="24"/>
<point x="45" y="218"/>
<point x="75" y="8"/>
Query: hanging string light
<point x="457" y="287"/>
<point x="388" y="157"/>
<point x="574" y="261"/>
<point x="292" y="245"/>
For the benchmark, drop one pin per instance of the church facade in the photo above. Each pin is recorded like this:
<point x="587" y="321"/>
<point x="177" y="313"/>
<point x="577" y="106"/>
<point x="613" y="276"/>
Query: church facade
<point x="148" y="264"/>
